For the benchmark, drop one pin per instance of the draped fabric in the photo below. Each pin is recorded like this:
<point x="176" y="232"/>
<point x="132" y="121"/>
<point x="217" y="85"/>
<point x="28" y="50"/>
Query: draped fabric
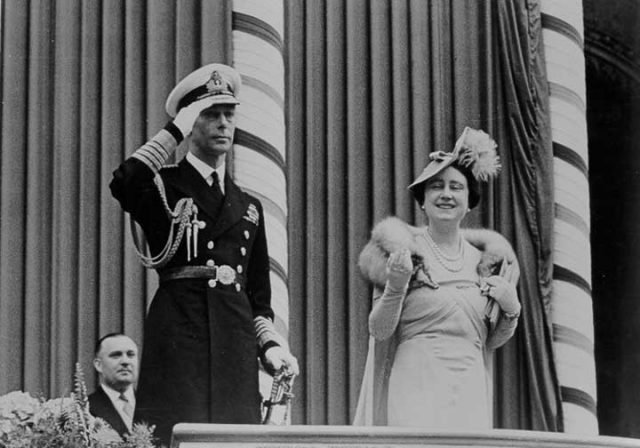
<point x="373" y="87"/>
<point x="83" y="85"/>
<point x="524" y="212"/>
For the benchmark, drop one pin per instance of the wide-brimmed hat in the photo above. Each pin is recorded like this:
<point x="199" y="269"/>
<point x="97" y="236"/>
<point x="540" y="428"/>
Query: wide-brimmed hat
<point x="474" y="154"/>
<point x="213" y="80"/>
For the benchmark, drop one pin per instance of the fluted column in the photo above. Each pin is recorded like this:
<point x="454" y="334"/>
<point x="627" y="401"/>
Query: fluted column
<point x="571" y="304"/>
<point x="259" y="155"/>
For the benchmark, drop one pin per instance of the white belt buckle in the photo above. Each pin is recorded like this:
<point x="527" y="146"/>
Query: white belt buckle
<point x="225" y="274"/>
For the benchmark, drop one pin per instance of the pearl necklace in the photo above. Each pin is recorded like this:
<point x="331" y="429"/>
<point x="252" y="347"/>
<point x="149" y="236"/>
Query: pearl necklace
<point x="451" y="264"/>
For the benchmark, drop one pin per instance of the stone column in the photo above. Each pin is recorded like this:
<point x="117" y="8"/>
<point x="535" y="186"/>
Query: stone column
<point x="571" y="304"/>
<point x="259" y="161"/>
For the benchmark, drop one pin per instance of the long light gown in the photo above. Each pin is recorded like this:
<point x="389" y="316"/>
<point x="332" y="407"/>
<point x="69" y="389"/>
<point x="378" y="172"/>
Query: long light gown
<point x="433" y="372"/>
<point x="439" y="379"/>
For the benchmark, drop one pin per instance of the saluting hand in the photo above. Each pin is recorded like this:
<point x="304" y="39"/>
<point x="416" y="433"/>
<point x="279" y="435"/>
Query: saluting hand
<point x="186" y="117"/>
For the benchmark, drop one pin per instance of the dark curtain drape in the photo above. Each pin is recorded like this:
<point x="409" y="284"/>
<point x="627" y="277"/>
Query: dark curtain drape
<point x="83" y="84"/>
<point x="373" y="87"/>
<point x="529" y="397"/>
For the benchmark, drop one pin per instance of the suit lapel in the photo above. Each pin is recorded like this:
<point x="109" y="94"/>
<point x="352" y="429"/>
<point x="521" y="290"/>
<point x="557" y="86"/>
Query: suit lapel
<point x="234" y="206"/>
<point x="189" y="181"/>
<point x="109" y="412"/>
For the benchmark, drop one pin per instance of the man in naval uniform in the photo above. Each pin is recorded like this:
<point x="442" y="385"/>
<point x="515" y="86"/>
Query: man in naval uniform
<point x="211" y="317"/>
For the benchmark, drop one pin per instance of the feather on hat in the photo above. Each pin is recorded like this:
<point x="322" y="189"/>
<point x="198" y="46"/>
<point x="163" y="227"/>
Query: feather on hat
<point x="474" y="150"/>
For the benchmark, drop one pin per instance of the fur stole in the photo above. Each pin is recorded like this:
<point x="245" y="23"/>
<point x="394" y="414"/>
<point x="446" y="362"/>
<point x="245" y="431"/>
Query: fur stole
<point x="392" y="234"/>
<point x="389" y="235"/>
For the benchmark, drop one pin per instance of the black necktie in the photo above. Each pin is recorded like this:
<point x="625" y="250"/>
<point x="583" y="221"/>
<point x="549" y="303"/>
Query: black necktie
<point x="215" y="185"/>
<point x="216" y="192"/>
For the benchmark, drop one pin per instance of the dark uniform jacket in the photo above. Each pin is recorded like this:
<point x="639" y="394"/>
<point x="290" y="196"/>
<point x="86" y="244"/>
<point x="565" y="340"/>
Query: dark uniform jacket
<point x="199" y="359"/>
<point x="100" y="405"/>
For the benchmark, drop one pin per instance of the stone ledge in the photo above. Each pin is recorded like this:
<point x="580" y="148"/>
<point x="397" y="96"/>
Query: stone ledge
<point x="187" y="435"/>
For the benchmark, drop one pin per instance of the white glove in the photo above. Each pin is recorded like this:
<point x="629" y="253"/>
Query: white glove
<point x="399" y="270"/>
<point x="504" y="292"/>
<point x="278" y="357"/>
<point x="186" y="117"/>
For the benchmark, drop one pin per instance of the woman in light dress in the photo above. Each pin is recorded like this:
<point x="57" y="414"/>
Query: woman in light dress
<point x="444" y="297"/>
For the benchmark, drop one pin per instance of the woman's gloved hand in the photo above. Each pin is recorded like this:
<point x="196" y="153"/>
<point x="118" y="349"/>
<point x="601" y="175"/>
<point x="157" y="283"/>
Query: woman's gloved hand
<point x="399" y="270"/>
<point x="504" y="292"/>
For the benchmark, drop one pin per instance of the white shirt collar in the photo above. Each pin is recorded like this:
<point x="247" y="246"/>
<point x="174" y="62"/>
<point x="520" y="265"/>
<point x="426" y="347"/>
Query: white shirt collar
<point x="114" y="395"/>
<point x="205" y="170"/>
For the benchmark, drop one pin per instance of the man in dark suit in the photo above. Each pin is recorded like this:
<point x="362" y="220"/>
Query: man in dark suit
<point x="211" y="317"/>
<point x="116" y="361"/>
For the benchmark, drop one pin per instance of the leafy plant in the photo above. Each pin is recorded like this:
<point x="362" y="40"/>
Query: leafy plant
<point x="28" y="422"/>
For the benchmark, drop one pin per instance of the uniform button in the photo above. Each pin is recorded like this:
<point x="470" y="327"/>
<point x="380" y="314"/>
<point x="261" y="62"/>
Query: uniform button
<point x="243" y="251"/>
<point x="212" y="283"/>
<point x="239" y="269"/>
<point x="246" y="234"/>
<point x="238" y="287"/>
<point x="210" y="245"/>
<point x="210" y="263"/>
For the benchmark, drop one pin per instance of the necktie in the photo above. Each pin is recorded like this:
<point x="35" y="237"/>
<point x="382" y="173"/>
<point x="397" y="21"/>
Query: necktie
<point x="215" y="186"/>
<point x="127" y="408"/>
<point x="216" y="192"/>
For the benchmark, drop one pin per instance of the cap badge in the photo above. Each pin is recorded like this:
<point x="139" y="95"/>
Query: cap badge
<point x="215" y="85"/>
